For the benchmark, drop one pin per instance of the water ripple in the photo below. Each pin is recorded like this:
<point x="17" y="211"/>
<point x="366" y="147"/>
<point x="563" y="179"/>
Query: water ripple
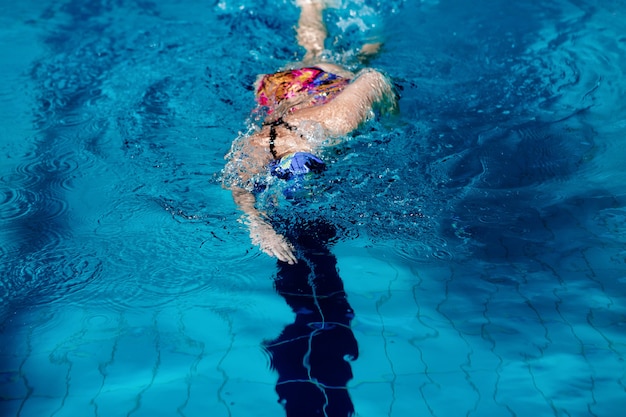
<point x="15" y="203"/>
<point x="24" y="203"/>
<point x="427" y="249"/>
<point x="117" y="294"/>
<point x="135" y="279"/>
<point x="51" y="274"/>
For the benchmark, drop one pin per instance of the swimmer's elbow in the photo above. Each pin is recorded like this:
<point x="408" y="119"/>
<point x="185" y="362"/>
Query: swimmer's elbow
<point x="379" y="86"/>
<point x="356" y="105"/>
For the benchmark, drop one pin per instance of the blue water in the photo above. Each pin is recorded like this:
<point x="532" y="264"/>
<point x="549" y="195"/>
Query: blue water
<point x="480" y="232"/>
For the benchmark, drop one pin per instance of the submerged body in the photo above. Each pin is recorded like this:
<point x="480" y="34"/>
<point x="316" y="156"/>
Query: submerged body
<point x="308" y="108"/>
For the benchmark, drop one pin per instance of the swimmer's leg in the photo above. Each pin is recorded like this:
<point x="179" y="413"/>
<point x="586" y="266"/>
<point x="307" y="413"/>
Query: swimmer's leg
<point x="311" y="31"/>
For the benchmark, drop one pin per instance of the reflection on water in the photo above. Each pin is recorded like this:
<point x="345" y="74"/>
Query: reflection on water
<point x="311" y="354"/>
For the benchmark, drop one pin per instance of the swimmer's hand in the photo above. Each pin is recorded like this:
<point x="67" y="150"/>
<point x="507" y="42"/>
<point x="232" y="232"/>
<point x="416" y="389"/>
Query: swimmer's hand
<point x="272" y="243"/>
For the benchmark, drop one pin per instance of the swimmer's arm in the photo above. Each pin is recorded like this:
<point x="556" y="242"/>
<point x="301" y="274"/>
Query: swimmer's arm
<point x="353" y="106"/>
<point x="261" y="232"/>
<point x="246" y="160"/>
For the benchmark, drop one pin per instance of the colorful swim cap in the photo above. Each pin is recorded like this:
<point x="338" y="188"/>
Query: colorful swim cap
<point x="284" y="85"/>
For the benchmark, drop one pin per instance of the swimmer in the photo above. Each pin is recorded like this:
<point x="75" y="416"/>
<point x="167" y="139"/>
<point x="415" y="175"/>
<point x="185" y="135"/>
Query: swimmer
<point x="300" y="103"/>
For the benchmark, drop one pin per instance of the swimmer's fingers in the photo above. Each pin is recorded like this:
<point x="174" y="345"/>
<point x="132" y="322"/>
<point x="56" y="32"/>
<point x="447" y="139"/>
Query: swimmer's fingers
<point x="283" y="251"/>
<point x="272" y="243"/>
<point x="278" y="247"/>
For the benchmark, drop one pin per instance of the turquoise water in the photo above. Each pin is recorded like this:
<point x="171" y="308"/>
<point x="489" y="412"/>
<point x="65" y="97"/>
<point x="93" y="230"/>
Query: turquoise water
<point x="479" y="235"/>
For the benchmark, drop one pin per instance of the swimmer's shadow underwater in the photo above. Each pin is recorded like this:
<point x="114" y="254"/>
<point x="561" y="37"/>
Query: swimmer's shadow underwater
<point x="306" y="109"/>
<point x="312" y="354"/>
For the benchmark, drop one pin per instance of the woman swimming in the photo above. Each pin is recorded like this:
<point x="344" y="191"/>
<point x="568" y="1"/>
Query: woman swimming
<point x="307" y="108"/>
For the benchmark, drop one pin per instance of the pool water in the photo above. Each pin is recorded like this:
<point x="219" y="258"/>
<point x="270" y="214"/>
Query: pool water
<point x="475" y="263"/>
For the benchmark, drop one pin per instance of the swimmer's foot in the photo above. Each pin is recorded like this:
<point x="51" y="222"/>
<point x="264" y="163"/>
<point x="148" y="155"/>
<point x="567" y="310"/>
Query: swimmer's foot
<point x="370" y="48"/>
<point x="368" y="51"/>
<point x="325" y="4"/>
